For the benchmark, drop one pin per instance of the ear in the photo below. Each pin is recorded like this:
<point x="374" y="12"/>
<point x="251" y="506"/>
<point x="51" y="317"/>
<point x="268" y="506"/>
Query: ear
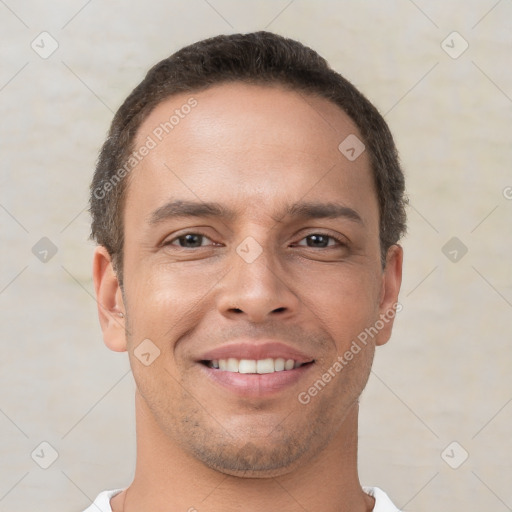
<point x="391" y="281"/>
<point x="110" y="301"/>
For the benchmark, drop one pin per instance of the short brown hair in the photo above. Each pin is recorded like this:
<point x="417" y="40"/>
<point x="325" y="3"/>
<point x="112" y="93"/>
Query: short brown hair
<point x="261" y="58"/>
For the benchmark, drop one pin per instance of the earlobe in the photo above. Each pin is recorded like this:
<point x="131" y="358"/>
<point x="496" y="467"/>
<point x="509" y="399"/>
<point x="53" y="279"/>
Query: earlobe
<point x="391" y="282"/>
<point x="109" y="300"/>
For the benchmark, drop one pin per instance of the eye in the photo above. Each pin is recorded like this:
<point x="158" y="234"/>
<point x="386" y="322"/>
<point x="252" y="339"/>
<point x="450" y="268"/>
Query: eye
<point x="189" y="240"/>
<point x="319" y="240"/>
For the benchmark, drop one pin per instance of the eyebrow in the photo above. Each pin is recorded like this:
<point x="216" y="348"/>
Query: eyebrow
<point x="315" y="210"/>
<point x="189" y="209"/>
<point x="302" y="210"/>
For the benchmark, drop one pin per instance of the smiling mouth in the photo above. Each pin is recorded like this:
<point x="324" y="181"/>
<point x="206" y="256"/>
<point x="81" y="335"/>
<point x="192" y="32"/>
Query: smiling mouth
<point x="255" y="366"/>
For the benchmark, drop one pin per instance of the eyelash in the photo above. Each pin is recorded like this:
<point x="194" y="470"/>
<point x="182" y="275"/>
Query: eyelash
<point x="183" y="235"/>
<point x="339" y="240"/>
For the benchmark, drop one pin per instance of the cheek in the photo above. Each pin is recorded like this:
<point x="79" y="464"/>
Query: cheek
<point x="166" y="302"/>
<point x="345" y="300"/>
<point x="170" y="289"/>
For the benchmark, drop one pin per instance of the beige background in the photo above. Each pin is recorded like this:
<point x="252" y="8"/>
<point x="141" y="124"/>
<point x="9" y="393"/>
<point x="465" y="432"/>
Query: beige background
<point x="444" y="377"/>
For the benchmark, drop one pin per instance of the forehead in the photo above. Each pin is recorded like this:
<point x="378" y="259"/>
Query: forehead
<point x="248" y="144"/>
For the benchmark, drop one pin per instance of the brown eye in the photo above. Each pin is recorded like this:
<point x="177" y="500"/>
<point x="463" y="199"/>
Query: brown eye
<point x="189" y="241"/>
<point x="317" y="240"/>
<point x="321" y="241"/>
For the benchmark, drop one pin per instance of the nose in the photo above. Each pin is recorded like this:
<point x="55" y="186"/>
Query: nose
<point x="258" y="290"/>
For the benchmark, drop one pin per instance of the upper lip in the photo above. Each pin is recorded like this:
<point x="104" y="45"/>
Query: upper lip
<point x="256" y="350"/>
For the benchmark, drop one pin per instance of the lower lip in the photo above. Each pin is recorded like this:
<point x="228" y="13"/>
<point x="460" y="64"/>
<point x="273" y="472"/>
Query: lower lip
<point x="255" y="384"/>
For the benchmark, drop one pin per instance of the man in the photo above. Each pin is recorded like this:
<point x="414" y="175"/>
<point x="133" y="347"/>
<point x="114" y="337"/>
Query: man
<point x="247" y="206"/>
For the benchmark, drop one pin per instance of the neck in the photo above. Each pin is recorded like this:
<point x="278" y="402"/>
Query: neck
<point x="168" y="478"/>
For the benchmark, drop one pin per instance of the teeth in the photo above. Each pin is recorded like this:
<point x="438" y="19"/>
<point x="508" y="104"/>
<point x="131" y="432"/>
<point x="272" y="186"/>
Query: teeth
<point x="232" y="365"/>
<point x="260" y="366"/>
<point x="247" y="366"/>
<point x="265" y="366"/>
<point x="279" y="364"/>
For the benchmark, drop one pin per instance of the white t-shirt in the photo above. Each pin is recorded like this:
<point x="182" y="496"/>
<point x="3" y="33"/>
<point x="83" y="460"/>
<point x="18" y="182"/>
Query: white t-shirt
<point x="382" y="502"/>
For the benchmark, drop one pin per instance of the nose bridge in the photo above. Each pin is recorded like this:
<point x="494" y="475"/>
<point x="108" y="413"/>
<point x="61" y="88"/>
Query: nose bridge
<point x="255" y="264"/>
<point x="256" y="285"/>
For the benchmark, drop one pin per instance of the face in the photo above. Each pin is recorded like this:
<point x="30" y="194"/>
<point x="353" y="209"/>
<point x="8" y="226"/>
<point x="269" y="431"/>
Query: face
<point x="251" y="244"/>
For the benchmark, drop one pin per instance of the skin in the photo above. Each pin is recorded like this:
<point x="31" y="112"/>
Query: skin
<point x="254" y="150"/>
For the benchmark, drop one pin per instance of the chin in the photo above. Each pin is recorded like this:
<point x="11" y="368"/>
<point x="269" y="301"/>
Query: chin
<point x="254" y="461"/>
